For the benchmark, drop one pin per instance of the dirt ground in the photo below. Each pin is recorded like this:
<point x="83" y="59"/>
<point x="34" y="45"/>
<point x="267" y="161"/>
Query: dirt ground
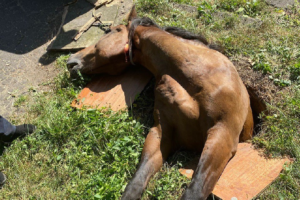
<point x="26" y="30"/>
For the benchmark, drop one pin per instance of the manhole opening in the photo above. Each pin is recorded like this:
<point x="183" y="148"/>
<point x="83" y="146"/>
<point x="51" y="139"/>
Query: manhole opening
<point x="258" y="107"/>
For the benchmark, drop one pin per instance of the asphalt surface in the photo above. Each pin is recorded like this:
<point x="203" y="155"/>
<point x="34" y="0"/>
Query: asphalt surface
<point x="26" y="30"/>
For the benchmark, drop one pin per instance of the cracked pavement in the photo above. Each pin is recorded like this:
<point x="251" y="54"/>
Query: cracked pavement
<point x="26" y="30"/>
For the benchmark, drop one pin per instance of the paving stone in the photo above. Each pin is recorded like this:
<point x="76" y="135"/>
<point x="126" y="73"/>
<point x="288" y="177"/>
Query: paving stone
<point x="124" y="9"/>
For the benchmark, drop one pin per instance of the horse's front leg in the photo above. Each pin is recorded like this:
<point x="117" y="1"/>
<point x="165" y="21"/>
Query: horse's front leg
<point x="155" y="151"/>
<point x="220" y="146"/>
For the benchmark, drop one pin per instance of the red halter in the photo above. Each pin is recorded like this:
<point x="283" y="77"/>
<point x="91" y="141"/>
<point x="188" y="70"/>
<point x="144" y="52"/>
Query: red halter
<point x="126" y="50"/>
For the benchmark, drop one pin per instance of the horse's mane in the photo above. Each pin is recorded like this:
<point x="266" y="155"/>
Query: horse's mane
<point x="147" y="22"/>
<point x="185" y="34"/>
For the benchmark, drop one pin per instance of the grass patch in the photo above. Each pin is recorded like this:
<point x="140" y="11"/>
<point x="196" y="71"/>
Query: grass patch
<point x="20" y="101"/>
<point x="90" y="154"/>
<point x="251" y="8"/>
<point x="74" y="153"/>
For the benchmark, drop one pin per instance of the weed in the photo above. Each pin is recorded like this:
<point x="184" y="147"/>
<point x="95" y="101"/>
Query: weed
<point x="205" y="11"/>
<point x="295" y="72"/>
<point x="281" y="137"/>
<point x="20" y="101"/>
<point x="155" y="7"/>
<point x="251" y="8"/>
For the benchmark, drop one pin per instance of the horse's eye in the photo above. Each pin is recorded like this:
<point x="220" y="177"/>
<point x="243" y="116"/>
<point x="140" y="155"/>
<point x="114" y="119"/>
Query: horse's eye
<point x="119" y="29"/>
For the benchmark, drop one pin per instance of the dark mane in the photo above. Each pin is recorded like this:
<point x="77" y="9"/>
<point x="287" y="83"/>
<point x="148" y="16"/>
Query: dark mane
<point x="145" y="21"/>
<point x="185" y="34"/>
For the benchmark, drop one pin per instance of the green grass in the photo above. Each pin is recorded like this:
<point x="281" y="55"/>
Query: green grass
<point x="20" y="101"/>
<point x="92" y="154"/>
<point x="74" y="153"/>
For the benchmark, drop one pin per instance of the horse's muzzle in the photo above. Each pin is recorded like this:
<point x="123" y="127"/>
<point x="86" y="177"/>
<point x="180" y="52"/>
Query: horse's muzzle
<point x="74" y="65"/>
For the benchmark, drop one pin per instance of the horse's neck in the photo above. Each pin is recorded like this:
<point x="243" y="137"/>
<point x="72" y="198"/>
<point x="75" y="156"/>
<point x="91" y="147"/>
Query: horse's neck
<point x="161" y="52"/>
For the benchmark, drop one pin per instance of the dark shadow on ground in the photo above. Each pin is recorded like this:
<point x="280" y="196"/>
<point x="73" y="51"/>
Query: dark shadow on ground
<point x="26" y="25"/>
<point x="2" y="148"/>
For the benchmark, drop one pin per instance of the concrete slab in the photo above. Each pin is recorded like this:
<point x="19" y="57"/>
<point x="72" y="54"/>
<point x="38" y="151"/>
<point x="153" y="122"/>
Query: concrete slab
<point x="115" y="11"/>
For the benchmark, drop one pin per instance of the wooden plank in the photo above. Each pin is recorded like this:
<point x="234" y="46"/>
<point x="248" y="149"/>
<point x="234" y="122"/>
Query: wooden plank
<point x="245" y="176"/>
<point x="116" y="92"/>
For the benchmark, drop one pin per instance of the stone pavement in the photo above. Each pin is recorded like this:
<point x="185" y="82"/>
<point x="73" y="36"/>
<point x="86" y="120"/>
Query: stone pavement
<point x="26" y="29"/>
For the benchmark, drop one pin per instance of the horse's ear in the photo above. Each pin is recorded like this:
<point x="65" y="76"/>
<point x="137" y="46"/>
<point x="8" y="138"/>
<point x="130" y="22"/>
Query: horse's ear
<point x="132" y="15"/>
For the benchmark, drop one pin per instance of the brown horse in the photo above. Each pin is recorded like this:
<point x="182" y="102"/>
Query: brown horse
<point x="201" y="104"/>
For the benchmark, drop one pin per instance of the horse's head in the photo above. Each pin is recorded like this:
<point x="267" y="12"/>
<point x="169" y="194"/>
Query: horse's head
<point x="109" y="55"/>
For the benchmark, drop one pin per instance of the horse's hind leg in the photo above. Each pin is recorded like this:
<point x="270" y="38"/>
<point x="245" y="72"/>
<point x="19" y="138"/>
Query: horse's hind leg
<point x="220" y="146"/>
<point x="156" y="150"/>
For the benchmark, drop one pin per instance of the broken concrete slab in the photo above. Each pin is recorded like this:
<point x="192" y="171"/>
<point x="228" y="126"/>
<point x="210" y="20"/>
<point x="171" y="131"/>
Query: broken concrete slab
<point x="281" y="3"/>
<point x="75" y="19"/>
<point x="64" y="41"/>
<point x="124" y="10"/>
<point x="98" y="3"/>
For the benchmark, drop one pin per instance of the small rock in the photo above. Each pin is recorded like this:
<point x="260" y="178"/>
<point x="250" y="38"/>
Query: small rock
<point x="243" y="19"/>
<point x="187" y="8"/>
<point x="281" y="3"/>
<point x="251" y="21"/>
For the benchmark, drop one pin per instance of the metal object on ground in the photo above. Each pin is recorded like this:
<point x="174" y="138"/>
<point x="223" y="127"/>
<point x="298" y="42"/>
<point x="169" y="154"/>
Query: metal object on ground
<point x="87" y="25"/>
<point x="77" y="17"/>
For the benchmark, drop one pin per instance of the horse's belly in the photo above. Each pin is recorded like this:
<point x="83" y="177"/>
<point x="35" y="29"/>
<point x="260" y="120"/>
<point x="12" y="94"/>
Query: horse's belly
<point x="181" y="112"/>
<point x="190" y="134"/>
<point x="171" y="96"/>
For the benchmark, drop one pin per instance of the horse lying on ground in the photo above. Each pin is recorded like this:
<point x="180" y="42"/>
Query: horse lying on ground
<point x="201" y="104"/>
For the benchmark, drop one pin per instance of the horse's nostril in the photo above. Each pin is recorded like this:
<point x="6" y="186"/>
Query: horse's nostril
<point x="71" y="64"/>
